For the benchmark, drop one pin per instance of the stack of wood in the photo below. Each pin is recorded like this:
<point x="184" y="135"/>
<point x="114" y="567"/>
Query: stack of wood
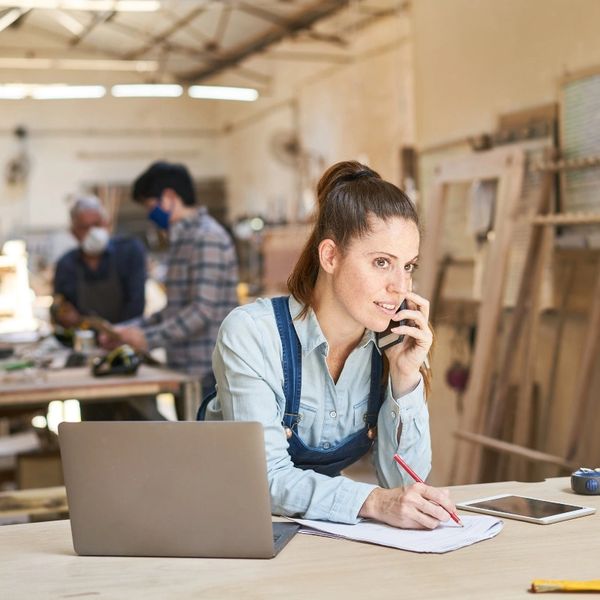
<point x="499" y="417"/>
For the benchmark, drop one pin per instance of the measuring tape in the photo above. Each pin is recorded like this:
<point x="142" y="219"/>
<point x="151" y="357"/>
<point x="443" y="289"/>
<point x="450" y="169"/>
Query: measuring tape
<point x="586" y="481"/>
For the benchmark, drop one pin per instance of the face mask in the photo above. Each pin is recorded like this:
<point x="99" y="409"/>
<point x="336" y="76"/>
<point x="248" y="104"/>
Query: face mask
<point x="160" y="217"/>
<point x="96" y="241"/>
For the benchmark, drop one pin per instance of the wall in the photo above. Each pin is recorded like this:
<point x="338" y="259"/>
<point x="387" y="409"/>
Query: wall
<point x="361" y="109"/>
<point x="474" y="60"/>
<point x="73" y="143"/>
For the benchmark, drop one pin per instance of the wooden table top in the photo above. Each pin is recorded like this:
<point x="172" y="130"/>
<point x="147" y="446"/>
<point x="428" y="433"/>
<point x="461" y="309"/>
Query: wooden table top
<point x="37" y="561"/>
<point x="79" y="383"/>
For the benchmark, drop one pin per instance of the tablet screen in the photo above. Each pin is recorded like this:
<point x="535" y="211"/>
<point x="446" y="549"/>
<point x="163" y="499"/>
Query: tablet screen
<point x="525" y="507"/>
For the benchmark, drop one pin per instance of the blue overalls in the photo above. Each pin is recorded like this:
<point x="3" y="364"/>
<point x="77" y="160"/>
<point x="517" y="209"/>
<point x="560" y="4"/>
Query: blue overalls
<point x="333" y="460"/>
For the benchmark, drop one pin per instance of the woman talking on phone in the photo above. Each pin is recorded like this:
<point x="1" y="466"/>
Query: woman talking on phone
<point x="309" y="368"/>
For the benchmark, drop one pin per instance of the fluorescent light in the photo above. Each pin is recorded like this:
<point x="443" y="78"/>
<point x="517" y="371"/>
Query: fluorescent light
<point x="79" y="64"/>
<point x="13" y="91"/>
<point x="59" y="91"/>
<point x="10" y="17"/>
<point x="92" y="5"/>
<point x="219" y="92"/>
<point x="150" y="90"/>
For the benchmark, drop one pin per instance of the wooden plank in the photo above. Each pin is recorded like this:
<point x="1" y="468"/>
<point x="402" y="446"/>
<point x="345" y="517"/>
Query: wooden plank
<point x="583" y="393"/>
<point x="509" y="190"/>
<point x="568" y="218"/>
<point x="490" y="164"/>
<point x="430" y="251"/>
<point x="496" y="410"/>
<point x="515" y="449"/>
<point x="546" y="412"/>
<point x="524" y="410"/>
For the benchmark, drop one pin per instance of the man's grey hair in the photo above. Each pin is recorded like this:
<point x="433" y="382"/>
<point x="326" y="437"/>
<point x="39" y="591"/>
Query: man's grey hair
<point x="87" y="203"/>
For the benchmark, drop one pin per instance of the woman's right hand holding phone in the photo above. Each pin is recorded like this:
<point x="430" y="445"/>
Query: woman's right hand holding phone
<point x="406" y="358"/>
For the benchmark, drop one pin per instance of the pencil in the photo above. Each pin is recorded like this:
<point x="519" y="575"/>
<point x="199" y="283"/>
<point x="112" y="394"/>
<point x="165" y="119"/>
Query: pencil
<point x="405" y="466"/>
<point x="560" y="585"/>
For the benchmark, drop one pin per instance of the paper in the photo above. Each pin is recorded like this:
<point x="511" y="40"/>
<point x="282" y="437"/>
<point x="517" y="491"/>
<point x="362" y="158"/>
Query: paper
<point x="445" y="538"/>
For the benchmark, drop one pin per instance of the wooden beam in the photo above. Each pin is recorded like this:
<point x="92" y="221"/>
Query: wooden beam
<point x="515" y="449"/>
<point x="581" y="424"/>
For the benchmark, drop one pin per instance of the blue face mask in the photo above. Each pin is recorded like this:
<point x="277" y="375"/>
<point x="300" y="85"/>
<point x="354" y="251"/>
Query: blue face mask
<point x="160" y="217"/>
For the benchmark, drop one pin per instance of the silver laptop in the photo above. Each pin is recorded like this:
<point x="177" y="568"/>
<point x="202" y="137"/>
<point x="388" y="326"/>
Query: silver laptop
<point x="195" y="489"/>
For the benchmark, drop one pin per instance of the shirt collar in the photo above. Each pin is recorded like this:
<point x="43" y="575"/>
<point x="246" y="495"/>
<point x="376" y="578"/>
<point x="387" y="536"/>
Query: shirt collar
<point x="310" y="334"/>
<point x="177" y="228"/>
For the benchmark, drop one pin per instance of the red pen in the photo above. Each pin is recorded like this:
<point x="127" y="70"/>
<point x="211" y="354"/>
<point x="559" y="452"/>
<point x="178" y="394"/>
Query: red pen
<point x="453" y="516"/>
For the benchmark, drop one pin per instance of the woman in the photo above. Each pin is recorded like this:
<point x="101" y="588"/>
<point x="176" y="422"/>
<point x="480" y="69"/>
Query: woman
<point x="313" y="375"/>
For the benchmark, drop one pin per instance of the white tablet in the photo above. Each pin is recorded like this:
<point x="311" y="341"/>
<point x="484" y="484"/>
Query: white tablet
<point x="533" y="510"/>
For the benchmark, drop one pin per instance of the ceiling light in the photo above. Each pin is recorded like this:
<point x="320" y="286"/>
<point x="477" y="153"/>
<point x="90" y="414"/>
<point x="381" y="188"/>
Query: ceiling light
<point x="79" y="64"/>
<point x="219" y="92"/>
<point x="9" y="17"/>
<point x="92" y="5"/>
<point x="60" y="91"/>
<point x="13" y="91"/>
<point x="150" y="90"/>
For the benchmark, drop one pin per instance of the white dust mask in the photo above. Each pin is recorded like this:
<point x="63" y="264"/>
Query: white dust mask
<point x="95" y="242"/>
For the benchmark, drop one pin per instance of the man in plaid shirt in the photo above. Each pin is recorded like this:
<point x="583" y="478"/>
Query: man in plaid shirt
<point x="202" y="274"/>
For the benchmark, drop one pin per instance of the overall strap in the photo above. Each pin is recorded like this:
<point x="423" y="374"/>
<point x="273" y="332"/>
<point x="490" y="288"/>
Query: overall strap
<point x="291" y="361"/>
<point x="377" y="391"/>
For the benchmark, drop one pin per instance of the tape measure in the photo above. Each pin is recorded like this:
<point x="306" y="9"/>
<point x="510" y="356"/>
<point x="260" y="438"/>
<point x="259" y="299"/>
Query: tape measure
<point x="586" y="481"/>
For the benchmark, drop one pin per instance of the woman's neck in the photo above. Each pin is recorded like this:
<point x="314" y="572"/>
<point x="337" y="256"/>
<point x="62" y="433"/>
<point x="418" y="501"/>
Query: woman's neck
<point x="341" y="332"/>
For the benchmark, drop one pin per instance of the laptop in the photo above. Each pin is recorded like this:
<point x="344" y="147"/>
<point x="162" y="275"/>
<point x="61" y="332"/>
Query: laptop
<point x="188" y="489"/>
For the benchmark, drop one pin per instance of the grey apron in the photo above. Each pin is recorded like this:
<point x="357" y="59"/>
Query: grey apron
<point x="102" y="297"/>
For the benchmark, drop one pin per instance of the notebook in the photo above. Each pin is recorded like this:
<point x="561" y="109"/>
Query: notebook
<point x="189" y="489"/>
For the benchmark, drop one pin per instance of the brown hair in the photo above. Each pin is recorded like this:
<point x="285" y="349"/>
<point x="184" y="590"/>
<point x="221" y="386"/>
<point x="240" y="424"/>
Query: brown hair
<point x="348" y="194"/>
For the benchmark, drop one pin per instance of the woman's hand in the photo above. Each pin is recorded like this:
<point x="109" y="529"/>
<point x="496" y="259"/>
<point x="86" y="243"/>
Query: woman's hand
<point x="407" y="357"/>
<point x="419" y="506"/>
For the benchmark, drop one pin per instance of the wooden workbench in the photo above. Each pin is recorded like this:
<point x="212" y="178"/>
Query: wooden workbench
<point x="37" y="561"/>
<point x="80" y="384"/>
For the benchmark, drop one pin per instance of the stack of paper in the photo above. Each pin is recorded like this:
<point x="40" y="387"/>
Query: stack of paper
<point x="445" y="538"/>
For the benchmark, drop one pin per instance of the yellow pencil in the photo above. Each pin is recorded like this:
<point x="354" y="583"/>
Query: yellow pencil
<point x="562" y="585"/>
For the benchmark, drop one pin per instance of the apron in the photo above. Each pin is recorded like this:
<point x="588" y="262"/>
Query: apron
<point x="102" y="297"/>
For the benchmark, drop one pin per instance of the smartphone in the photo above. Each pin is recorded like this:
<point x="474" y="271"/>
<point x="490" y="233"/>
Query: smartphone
<point x="388" y="338"/>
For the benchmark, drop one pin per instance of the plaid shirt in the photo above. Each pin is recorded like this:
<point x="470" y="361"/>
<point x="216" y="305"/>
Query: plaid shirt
<point x="201" y="290"/>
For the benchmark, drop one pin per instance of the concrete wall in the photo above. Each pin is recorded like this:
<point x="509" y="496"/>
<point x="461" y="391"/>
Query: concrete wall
<point x="74" y="143"/>
<point x="475" y="59"/>
<point x="362" y="109"/>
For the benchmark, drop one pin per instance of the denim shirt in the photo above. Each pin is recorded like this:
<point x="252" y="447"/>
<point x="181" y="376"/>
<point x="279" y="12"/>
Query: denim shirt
<point x="248" y="369"/>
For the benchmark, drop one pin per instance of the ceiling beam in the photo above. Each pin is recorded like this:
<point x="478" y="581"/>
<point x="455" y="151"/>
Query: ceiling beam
<point x="301" y="21"/>
<point x="98" y="19"/>
<point x="308" y="57"/>
<point x="164" y="36"/>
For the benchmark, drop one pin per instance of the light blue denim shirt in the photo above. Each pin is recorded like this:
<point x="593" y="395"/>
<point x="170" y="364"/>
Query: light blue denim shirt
<point x="249" y="373"/>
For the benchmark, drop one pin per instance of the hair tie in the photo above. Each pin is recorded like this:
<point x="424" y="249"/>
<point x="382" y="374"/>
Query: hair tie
<point x="358" y="175"/>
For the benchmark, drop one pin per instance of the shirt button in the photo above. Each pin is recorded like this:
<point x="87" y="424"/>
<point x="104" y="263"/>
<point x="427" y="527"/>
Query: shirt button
<point x="393" y="415"/>
<point x="326" y="445"/>
<point x="333" y="414"/>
